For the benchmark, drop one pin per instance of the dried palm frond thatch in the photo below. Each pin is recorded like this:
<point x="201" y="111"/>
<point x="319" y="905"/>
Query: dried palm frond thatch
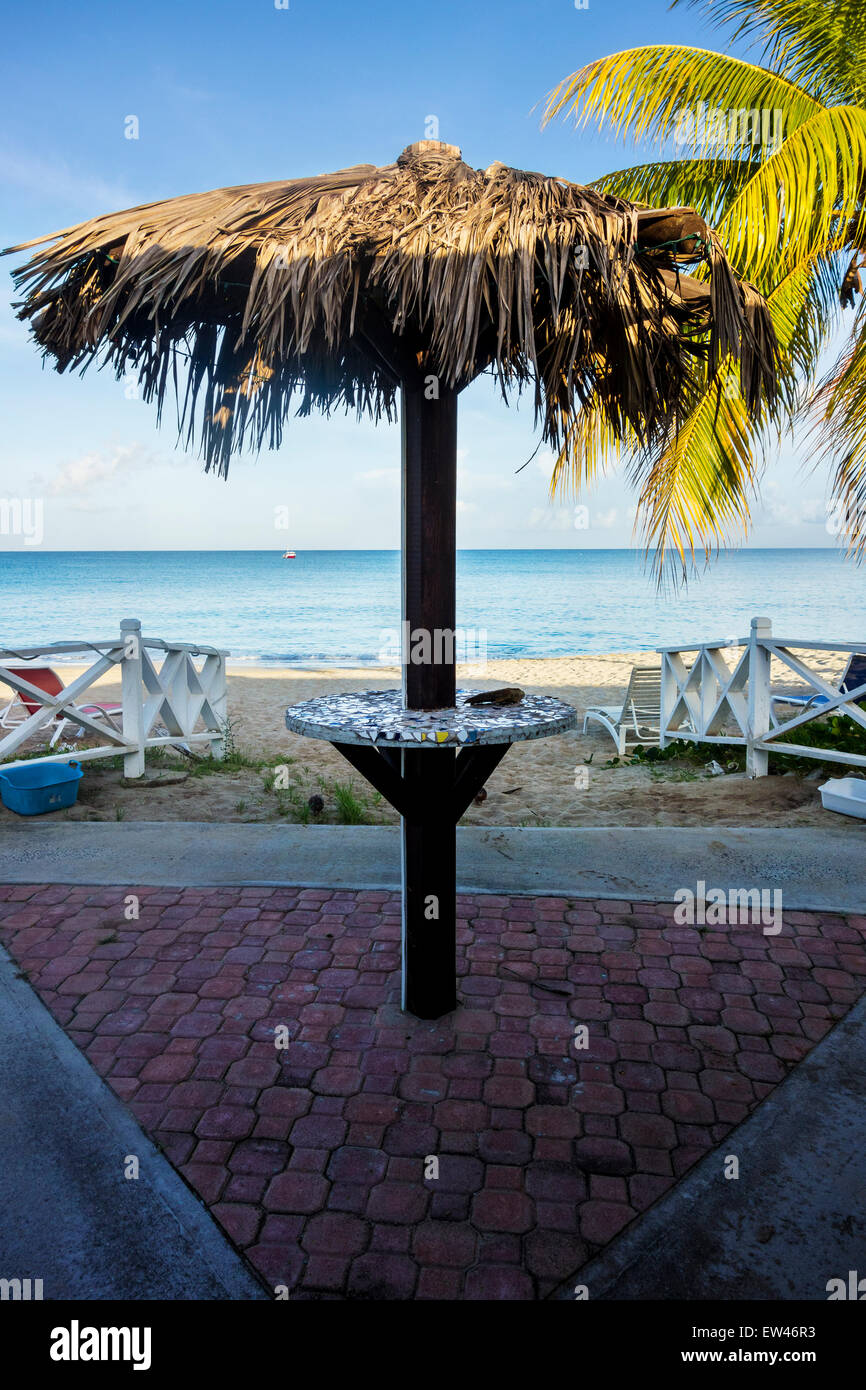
<point x="331" y="290"/>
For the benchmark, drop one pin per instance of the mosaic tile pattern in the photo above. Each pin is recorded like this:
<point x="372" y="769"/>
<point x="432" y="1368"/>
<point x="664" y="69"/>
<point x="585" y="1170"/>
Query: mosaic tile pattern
<point x="378" y="716"/>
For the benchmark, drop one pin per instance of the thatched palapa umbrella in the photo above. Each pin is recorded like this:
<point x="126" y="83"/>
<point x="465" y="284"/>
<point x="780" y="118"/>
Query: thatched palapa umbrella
<point x="346" y="289"/>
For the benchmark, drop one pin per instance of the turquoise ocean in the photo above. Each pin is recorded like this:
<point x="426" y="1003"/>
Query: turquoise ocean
<point x="333" y="606"/>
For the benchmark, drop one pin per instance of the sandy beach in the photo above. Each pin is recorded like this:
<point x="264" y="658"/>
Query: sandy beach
<point x="533" y="786"/>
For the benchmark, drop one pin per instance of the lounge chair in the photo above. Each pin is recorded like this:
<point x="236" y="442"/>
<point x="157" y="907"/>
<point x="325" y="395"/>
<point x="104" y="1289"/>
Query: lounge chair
<point x="638" y="719"/>
<point x="22" y="705"/>
<point x="853" y="676"/>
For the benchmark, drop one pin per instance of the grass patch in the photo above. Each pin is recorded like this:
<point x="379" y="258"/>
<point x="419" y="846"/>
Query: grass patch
<point x="351" y="809"/>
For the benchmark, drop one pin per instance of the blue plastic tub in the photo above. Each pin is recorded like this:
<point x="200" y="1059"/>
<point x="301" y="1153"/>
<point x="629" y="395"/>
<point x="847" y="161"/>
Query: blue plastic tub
<point x="33" y="790"/>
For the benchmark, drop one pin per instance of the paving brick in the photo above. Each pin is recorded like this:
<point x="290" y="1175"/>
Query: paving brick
<point x="296" y="1192"/>
<point x="411" y="1139"/>
<point x="226" y="1122"/>
<point x="357" y="1165"/>
<point x="253" y="1071"/>
<point x="651" y="1131"/>
<point x="509" y="1091"/>
<point x="601" y="1221"/>
<point x="171" y="1066"/>
<point x="382" y="1277"/>
<point x="555" y="1121"/>
<point x="444" y="1285"/>
<point x="552" y="1254"/>
<point x="555" y="1182"/>
<point x="398" y="1202"/>
<point x="260" y="1156"/>
<point x="241" y="1223"/>
<point x="318" y="1131"/>
<point x="445" y="1243"/>
<point x="498" y="1283"/>
<point x="745" y="1021"/>
<point x="279" y="1265"/>
<point x="335" y="1233"/>
<point x="502" y="1211"/>
<point x="460" y="1115"/>
<point x="208" y="1179"/>
<point x="725" y="1085"/>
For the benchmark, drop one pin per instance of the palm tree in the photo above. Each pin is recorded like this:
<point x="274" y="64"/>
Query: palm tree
<point x="773" y="154"/>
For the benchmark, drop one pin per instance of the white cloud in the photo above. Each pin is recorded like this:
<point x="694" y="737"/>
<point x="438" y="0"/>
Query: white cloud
<point x="82" y="475"/>
<point x="779" y="509"/>
<point x="551" y="519"/>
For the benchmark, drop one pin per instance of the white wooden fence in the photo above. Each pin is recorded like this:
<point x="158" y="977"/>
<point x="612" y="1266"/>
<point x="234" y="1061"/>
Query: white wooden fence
<point x="162" y="700"/>
<point x="720" y="692"/>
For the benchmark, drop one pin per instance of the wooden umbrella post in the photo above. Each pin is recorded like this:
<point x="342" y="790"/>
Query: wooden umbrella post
<point x="429" y="832"/>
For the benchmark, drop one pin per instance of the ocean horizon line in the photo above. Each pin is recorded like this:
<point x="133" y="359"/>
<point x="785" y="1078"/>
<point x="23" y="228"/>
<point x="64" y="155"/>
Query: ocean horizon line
<point x="835" y="550"/>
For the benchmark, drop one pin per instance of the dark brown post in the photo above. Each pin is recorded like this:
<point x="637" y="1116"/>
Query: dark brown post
<point x="429" y="538"/>
<point x="429" y="555"/>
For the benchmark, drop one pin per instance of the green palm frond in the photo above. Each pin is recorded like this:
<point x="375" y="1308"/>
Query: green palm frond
<point x="696" y="494"/>
<point x="840" y="433"/>
<point x="805" y="311"/>
<point x="660" y="90"/>
<point x="588" y="450"/>
<point x="819" y="43"/>
<point x="708" y="185"/>
<point x="804" y="197"/>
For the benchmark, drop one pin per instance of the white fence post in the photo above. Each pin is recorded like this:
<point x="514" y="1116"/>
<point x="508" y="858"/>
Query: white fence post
<point x="757" y="759"/>
<point x="219" y="705"/>
<point x="668" y="699"/>
<point x="132" y="697"/>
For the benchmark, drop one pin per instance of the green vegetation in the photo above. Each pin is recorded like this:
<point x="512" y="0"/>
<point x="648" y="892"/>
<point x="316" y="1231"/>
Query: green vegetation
<point x="836" y="733"/>
<point x="351" y="808"/>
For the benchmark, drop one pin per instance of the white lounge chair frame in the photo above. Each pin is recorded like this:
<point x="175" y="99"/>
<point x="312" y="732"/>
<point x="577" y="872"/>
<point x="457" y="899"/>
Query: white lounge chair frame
<point x="637" y="720"/>
<point x="16" y="711"/>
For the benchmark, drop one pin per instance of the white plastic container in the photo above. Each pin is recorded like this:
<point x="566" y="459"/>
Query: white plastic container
<point x="845" y="794"/>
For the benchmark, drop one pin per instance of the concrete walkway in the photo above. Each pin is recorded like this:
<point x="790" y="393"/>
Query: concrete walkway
<point x="794" y="1219"/>
<point x="815" y="868"/>
<point x="68" y="1215"/>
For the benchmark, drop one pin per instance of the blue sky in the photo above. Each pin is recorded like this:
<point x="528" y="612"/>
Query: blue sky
<point x="239" y="92"/>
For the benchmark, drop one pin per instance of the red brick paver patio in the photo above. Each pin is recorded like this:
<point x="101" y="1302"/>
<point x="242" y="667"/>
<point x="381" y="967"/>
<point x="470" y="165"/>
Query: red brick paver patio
<point x="315" y="1156"/>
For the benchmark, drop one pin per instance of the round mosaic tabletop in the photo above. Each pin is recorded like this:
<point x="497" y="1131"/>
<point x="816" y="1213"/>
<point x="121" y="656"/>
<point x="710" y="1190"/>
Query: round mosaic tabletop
<point x="379" y="717"/>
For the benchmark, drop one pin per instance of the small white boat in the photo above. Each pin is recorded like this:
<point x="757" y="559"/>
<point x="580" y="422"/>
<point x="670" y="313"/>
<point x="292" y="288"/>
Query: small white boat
<point x="290" y="555"/>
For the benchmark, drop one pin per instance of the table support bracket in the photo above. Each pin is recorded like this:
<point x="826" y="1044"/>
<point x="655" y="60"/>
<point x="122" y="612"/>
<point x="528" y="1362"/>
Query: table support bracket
<point x="472" y="767"/>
